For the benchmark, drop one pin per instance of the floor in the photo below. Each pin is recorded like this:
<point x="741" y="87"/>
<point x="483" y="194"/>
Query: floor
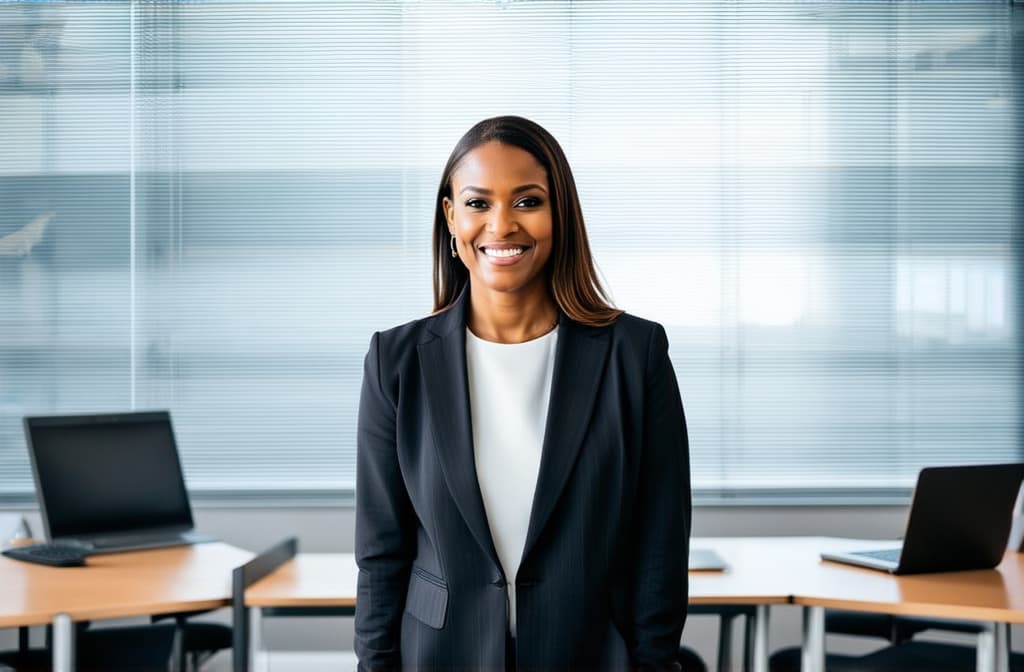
<point x="291" y="661"/>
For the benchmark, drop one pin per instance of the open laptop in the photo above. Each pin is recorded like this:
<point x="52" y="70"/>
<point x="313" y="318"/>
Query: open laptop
<point x="959" y="519"/>
<point x="110" y="483"/>
<point x="706" y="560"/>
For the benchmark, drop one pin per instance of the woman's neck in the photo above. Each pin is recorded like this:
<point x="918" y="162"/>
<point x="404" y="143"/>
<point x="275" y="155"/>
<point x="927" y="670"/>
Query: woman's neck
<point x="504" y="317"/>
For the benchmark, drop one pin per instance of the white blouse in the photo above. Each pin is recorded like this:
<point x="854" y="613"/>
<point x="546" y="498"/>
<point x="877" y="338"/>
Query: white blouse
<point x="509" y="390"/>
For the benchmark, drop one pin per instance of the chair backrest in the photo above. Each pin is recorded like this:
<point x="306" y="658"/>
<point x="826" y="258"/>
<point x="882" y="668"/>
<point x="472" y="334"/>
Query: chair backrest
<point x="241" y="578"/>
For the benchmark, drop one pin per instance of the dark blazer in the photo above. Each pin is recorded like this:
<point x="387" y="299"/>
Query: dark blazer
<point x="602" y="584"/>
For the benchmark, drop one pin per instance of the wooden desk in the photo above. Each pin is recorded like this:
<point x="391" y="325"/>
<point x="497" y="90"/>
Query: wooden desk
<point x="309" y="580"/>
<point x="184" y="578"/>
<point x="993" y="597"/>
<point x="328" y="580"/>
<point x="763" y="571"/>
<point x="308" y="584"/>
<point x="759" y="575"/>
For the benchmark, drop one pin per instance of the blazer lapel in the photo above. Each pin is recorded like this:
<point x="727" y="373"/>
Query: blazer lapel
<point x="443" y="365"/>
<point x="580" y="358"/>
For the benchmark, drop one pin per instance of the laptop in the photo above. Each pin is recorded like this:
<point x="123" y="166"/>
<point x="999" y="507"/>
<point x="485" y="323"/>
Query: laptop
<point x="959" y="519"/>
<point x="112" y="482"/>
<point x="706" y="560"/>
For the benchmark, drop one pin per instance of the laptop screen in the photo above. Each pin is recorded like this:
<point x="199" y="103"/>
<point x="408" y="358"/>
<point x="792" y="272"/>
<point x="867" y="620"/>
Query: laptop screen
<point x="105" y="474"/>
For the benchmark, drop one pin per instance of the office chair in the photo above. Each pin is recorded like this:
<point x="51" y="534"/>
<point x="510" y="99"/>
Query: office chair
<point x="727" y="614"/>
<point x="136" y="648"/>
<point x="690" y="661"/>
<point x="26" y="659"/>
<point x="199" y="641"/>
<point x="139" y="648"/>
<point x="907" y="657"/>
<point x="903" y="653"/>
<point x="243" y="577"/>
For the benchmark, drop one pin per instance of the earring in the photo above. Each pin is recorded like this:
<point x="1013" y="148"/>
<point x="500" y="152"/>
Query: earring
<point x="455" y="252"/>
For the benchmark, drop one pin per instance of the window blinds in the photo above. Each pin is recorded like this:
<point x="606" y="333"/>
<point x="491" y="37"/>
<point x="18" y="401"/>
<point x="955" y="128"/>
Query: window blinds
<point x="816" y="199"/>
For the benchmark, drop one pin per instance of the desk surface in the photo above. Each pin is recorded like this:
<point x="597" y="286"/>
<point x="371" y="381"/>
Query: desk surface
<point x="762" y="570"/>
<point x="116" y="585"/>
<point x="308" y="580"/>
<point x="983" y="595"/>
<point x="329" y="579"/>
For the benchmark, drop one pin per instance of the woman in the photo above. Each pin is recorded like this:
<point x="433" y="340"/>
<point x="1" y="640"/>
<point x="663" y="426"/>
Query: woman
<point x="523" y="494"/>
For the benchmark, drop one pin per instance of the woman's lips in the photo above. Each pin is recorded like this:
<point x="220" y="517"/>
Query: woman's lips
<point x="504" y="255"/>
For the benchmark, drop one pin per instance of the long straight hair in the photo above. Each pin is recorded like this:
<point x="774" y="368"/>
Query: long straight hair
<point x="572" y="278"/>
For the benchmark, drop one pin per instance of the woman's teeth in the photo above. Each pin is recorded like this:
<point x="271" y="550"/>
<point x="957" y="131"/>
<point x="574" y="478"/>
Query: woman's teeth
<point x="503" y="252"/>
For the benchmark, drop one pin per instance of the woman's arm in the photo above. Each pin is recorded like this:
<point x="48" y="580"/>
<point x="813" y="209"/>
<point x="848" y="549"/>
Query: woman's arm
<point x="385" y="526"/>
<point x="661" y="518"/>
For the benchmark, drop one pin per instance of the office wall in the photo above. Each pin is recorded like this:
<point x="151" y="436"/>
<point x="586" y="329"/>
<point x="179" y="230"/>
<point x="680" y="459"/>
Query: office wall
<point x="815" y="201"/>
<point x="330" y="529"/>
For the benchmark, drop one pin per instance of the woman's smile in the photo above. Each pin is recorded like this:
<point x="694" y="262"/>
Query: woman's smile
<point x="504" y="254"/>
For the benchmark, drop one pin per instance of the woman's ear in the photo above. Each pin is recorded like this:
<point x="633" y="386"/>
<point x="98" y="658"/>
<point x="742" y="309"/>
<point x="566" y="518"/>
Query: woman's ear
<point x="449" y="213"/>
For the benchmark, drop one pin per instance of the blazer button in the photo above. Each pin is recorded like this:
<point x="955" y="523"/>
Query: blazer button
<point x="499" y="583"/>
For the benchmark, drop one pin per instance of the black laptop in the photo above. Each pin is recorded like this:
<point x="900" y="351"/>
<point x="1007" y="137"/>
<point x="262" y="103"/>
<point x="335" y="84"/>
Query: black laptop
<point x="110" y="483"/>
<point x="959" y="519"/>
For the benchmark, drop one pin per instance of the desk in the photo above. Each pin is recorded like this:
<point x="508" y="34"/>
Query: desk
<point x="316" y="580"/>
<point x="763" y="571"/>
<point x="328" y="581"/>
<point x="994" y="597"/>
<point x="140" y="583"/>
<point x="757" y="576"/>
<point x="310" y="583"/>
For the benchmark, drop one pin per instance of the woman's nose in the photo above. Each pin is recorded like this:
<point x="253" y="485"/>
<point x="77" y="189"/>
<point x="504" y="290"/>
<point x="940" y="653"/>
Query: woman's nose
<point x="502" y="221"/>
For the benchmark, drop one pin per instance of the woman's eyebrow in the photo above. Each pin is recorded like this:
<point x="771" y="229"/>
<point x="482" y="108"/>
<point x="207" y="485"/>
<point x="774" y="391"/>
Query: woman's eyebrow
<point x="528" y="187"/>
<point x="519" y="189"/>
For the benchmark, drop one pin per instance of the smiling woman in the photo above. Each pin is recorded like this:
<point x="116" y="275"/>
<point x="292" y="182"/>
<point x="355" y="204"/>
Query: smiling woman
<point x="500" y="223"/>
<point x="523" y="431"/>
<point x="527" y="162"/>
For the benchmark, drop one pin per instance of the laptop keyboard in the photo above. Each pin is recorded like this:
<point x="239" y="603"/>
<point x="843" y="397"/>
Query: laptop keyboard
<point x="889" y="554"/>
<point x="57" y="555"/>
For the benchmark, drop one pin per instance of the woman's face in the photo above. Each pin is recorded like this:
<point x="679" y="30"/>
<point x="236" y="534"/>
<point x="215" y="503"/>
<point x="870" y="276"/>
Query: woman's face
<point x="500" y="215"/>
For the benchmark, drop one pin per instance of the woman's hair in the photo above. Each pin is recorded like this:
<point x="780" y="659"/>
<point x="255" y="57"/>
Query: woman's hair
<point x="571" y="276"/>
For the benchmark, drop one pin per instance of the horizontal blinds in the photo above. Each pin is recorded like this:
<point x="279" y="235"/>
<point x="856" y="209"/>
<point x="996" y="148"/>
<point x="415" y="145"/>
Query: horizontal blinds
<point x="65" y="314"/>
<point x="817" y="200"/>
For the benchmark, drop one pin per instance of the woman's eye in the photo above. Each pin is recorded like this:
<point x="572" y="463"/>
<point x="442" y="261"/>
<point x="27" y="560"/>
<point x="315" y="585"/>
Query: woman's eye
<point x="529" y="202"/>
<point x="476" y="203"/>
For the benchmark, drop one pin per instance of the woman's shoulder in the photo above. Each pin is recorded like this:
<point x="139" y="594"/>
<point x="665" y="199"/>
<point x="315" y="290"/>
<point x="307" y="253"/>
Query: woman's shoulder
<point x="627" y="333"/>
<point x="633" y="327"/>
<point x="409" y="334"/>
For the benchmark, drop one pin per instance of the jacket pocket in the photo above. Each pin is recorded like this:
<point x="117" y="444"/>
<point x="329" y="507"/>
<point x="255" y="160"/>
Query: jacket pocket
<point x="427" y="598"/>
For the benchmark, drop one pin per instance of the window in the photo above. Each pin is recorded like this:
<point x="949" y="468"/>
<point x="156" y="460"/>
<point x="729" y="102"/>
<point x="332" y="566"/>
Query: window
<point x="209" y="207"/>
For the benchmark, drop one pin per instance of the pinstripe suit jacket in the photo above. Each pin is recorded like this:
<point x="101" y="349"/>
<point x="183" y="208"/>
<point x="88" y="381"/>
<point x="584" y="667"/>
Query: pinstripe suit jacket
<point x="602" y="584"/>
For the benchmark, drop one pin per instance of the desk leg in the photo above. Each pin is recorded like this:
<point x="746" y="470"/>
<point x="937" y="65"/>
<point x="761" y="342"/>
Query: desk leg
<point x="993" y="648"/>
<point x="1002" y="647"/>
<point x="725" y="643"/>
<point x="63" y="644"/>
<point x="257" y="655"/>
<point x="748" y="644"/>
<point x="178" y="646"/>
<point x="812" y="655"/>
<point x="760" y="617"/>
